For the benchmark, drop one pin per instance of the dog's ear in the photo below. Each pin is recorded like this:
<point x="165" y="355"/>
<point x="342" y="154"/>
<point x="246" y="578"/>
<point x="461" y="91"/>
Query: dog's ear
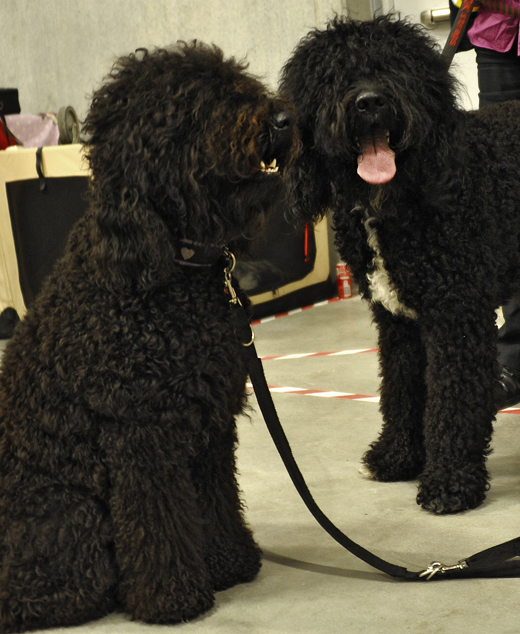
<point x="131" y="244"/>
<point x="310" y="193"/>
<point x="136" y="194"/>
<point x="309" y="181"/>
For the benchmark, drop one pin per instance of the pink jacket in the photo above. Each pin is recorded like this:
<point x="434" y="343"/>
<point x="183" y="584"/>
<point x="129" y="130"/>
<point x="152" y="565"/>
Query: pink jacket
<point x="494" y="30"/>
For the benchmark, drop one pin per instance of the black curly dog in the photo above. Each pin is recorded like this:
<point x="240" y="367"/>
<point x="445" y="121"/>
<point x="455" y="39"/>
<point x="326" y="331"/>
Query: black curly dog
<point x="120" y="388"/>
<point x="426" y="208"/>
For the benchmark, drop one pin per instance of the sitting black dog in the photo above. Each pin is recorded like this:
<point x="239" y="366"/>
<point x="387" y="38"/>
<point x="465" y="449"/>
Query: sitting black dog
<point x="120" y="388"/>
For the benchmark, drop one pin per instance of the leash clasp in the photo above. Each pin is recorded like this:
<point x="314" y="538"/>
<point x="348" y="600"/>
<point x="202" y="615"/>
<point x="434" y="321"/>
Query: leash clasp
<point x="227" y="278"/>
<point x="438" y="567"/>
<point x="234" y="299"/>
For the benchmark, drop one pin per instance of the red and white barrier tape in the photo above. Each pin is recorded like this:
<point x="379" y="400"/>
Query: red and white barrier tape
<point x="305" y="392"/>
<point x="323" y="393"/>
<point x="278" y="357"/>
<point x="295" y="311"/>
<point x="348" y="396"/>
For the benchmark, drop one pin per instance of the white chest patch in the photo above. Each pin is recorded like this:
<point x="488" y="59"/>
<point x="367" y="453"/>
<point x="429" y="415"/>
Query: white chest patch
<point x="381" y="286"/>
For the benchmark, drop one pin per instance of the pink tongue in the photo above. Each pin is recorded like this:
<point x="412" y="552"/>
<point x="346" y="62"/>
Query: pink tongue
<point x="376" y="163"/>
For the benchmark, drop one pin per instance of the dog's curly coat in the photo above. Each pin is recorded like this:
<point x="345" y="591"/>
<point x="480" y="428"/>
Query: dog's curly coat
<point x="120" y="388"/>
<point x="426" y="207"/>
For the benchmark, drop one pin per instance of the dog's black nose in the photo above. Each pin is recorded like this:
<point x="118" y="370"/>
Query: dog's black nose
<point x="370" y="102"/>
<point x="281" y="133"/>
<point x="284" y="121"/>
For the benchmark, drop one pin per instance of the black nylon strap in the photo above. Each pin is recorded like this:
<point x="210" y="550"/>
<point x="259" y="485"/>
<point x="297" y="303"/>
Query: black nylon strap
<point x="196" y="254"/>
<point x="458" y="29"/>
<point x="39" y="169"/>
<point x="498" y="561"/>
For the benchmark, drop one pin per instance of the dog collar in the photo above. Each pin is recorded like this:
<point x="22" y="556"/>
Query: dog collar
<point x="192" y="253"/>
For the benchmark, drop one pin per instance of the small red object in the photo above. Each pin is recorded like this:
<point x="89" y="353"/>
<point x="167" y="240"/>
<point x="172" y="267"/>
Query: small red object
<point x="306" y="254"/>
<point x="7" y="138"/>
<point x="344" y="279"/>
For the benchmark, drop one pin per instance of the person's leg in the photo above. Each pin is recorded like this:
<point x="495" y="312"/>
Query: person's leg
<point x="498" y="76"/>
<point x="507" y="391"/>
<point x="499" y="80"/>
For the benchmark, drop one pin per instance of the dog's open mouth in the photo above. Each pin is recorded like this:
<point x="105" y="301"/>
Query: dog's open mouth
<point x="272" y="168"/>
<point x="376" y="161"/>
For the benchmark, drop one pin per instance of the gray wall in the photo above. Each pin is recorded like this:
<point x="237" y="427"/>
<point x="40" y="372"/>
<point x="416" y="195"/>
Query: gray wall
<point x="57" y="51"/>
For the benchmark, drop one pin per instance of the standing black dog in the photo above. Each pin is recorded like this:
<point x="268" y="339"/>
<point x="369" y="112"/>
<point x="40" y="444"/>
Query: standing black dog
<point x="120" y="388"/>
<point x="426" y="204"/>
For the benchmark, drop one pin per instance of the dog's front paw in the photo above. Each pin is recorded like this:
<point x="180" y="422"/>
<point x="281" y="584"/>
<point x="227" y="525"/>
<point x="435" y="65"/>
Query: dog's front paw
<point x="454" y="491"/>
<point x="232" y="564"/>
<point x="392" y="462"/>
<point x="178" y="603"/>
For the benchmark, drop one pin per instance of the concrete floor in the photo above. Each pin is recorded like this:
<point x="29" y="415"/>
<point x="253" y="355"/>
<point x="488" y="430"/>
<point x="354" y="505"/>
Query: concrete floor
<point x="308" y="583"/>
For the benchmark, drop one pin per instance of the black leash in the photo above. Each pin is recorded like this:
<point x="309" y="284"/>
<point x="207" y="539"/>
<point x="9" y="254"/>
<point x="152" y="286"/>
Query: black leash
<point x="498" y="561"/>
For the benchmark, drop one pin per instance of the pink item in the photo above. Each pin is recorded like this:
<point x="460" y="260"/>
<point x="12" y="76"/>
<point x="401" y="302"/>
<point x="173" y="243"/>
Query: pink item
<point x="34" y="130"/>
<point x="494" y="30"/>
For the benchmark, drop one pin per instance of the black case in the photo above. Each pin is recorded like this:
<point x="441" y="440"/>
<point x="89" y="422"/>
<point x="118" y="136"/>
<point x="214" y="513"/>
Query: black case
<point x="9" y="103"/>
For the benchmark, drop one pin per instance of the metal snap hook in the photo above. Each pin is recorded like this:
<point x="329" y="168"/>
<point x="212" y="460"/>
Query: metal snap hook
<point x="234" y="299"/>
<point x="438" y="567"/>
<point x="227" y="277"/>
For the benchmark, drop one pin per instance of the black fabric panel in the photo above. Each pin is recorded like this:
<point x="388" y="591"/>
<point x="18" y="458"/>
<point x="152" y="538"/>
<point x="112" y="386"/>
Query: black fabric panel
<point x="277" y="258"/>
<point x="304" y="296"/>
<point x="41" y="222"/>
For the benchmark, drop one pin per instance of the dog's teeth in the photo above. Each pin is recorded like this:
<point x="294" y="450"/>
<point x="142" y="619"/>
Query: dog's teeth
<point x="272" y="168"/>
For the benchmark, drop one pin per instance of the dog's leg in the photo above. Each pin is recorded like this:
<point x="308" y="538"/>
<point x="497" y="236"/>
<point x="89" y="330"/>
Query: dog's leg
<point x="57" y="566"/>
<point x="233" y="556"/>
<point x="398" y="454"/>
<point x="158" y="527"/>
<point x="461" y="354"/>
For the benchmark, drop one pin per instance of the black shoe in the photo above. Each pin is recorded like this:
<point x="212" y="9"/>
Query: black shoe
<point x="507" y="390"/>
